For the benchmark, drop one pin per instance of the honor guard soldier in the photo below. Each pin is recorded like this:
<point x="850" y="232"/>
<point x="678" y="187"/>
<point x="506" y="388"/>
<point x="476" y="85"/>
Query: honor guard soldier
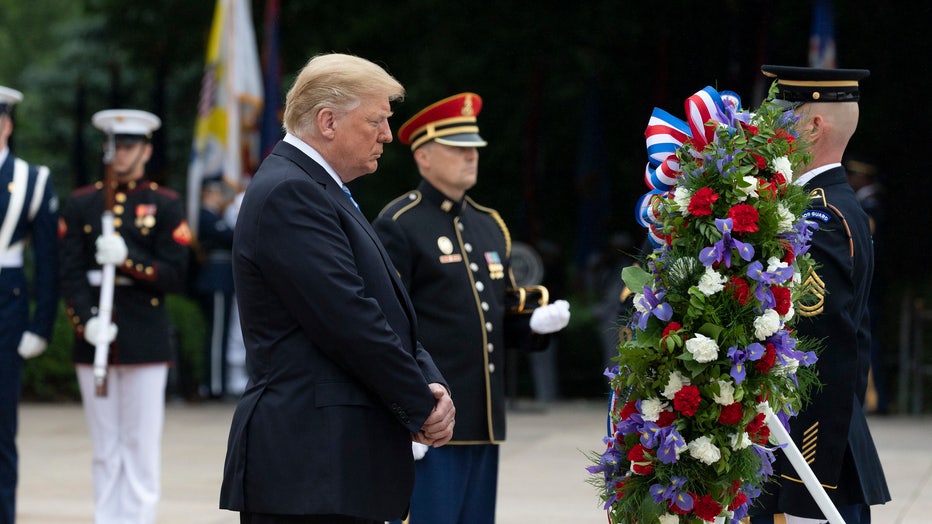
<point x="832" y="430"/>
<point x="454" y="258"/>
<point x="149" y="251"/>
<point x="28" y="210"/>
<point x="214" y="284"/>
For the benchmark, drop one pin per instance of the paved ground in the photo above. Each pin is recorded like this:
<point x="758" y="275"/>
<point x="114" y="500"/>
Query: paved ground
<point x="542" y="472"/>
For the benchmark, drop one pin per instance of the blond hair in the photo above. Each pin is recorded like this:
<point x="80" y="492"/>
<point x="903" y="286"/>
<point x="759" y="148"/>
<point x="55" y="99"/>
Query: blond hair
<point x="335" y="81"/>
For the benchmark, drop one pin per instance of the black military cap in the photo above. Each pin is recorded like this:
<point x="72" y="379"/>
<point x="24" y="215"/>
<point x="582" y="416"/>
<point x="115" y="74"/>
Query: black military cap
<point x="811" y="84"/>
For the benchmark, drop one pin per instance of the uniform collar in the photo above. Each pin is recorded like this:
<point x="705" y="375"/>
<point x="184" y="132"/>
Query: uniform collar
<point x="804" y="179"/>
<point x="433" y="196"/>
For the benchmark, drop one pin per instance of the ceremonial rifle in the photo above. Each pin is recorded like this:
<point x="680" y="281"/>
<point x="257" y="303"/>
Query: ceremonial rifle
<point x="105" y="306"/>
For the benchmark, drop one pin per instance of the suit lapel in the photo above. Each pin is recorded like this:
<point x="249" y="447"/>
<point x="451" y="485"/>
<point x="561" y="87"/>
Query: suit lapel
<point x="320" y="175"/>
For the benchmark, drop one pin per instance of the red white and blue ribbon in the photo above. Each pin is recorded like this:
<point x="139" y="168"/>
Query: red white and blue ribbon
<point x="664" y="135"/>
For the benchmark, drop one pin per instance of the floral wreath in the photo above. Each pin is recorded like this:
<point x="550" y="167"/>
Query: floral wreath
<point x="714" y="346"/>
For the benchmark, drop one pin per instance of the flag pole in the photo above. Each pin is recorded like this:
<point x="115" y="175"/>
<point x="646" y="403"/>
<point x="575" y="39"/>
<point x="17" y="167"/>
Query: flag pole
<point x="802" y="467"/>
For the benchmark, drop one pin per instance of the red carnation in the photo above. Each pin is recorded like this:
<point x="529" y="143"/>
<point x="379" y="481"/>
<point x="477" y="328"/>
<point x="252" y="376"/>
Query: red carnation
<point x="731" y="414"/>
<point x="757" y="430"/>
<point x="700" y="204"/>
<point x="739" y="500"/>
<point x="640" y="460"/>
<point x="783" y="299"/>
<point x="665" y="418"/>
<point x="686" y="400"/>
<point x="706" y="508"/>
<point x="788" y="254"/>
<point x="739" y="289"/>
<point x="629" y="409"/>
<point x="767" y="361"/>
<point x="790" y="139"/>
<point x="766" y="189"/>
<point x="779" y="179"/>
<point x="744" y="218"/>
<point x="750" y="129"/>
<point x="671" y="327"/>
<point x="760" y="161"/>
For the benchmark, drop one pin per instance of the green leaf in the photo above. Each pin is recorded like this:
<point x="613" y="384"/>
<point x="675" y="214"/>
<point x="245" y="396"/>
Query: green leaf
<point x="636" y="278"/>
<point x="710" y="330"/>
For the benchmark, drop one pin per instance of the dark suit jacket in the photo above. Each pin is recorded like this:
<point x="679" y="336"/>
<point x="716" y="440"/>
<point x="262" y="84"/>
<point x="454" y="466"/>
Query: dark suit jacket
<point x="832" y="430"/>
<point x="337" y="379"/>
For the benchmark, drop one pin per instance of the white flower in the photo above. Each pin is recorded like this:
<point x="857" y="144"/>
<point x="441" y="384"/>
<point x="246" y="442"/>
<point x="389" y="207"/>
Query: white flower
<point x="704" y="451"/>
<point x="788" y="368"/>
<point x="789" y="313"/>
<point x="786" y="218"/>
<point x="674" y="384"/>
<point x="640" y="304"/>
<point x="669" y="519"/>
<point x="766" y="324"/>
<point x="774" y="264"/>
<point x="651" y="408"/>
<point x="782" y="165"/>
<point x="740" y="440"/>
<point x="702" y="348"/>
<point x="682" y="196"/>
<point x="711" y="282"/>
<point x="750" y="190"/>
<point x="726" y="393"/>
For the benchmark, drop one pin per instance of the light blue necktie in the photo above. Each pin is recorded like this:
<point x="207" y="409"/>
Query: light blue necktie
<point x="350" y="196"/>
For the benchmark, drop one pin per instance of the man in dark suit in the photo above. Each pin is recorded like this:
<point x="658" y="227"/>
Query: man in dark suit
<point x="339" y="386"/>
<point x="832" y="430"/>
<point x="28" y="215"/>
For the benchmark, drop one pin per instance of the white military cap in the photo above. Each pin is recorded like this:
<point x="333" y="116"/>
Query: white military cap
<point x="126" y="122"/>
<point x="8" y="97"/>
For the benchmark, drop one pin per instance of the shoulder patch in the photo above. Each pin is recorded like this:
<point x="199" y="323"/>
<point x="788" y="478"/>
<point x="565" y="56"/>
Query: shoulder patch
<point x="817" y="214"/>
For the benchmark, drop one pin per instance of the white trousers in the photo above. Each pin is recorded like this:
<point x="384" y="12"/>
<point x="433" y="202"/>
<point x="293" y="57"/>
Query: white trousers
<point x="126" y="431"/>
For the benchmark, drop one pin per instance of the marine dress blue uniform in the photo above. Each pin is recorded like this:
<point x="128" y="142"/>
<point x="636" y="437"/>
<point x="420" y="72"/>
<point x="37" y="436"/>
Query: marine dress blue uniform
<point x="28" y="210"/>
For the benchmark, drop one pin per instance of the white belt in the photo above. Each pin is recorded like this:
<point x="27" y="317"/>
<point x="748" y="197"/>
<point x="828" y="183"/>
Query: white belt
<point x="95" y="276"/>
<point x="12" y="256"/>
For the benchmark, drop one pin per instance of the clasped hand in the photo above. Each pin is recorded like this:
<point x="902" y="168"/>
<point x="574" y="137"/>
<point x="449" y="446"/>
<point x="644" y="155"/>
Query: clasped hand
<point x="438" y="428"/>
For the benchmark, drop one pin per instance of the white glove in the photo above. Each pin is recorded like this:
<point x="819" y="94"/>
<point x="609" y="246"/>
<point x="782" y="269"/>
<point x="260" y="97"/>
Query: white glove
<point x="31" y="345"/>
<point x="419" y="450"/>
<point x="550" y="318"/>
<point x="94" y="331"/>
<point x="111" y="249"/>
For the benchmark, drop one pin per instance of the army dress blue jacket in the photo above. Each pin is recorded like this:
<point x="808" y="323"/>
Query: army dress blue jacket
<point x="832" y="431"/>
<point x="454" y="259"/>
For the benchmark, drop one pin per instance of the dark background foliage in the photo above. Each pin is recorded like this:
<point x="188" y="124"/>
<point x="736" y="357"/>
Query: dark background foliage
<point x="567" y="87"/>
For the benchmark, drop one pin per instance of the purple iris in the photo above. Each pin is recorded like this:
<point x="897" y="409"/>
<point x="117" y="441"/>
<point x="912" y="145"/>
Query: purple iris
<point x="785" y="346"/>
<point x="721" y="250"/>
<point x="739" y="357"/>
<point x="800" y="236"/>
<point x="653" y="304"/>
<point x="673" y="494"/>
<point x="765" y="279"/>
<point x="670" y="441"/>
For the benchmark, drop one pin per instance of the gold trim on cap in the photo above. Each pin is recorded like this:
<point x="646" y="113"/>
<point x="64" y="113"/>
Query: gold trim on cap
<point x="818" y="83"/>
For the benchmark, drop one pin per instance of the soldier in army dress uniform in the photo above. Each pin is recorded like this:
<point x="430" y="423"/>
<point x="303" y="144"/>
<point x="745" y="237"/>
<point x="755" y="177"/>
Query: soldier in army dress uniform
<point x="454" y="258"/>
<point x="150" y="253"/>
<point x="832" y="430"/>
<point x="28" y="215"/>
